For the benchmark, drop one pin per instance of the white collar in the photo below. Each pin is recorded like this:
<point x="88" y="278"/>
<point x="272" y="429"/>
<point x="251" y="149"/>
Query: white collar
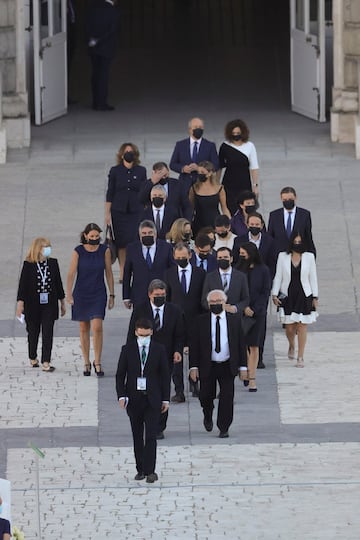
<point x="193" y="140"/>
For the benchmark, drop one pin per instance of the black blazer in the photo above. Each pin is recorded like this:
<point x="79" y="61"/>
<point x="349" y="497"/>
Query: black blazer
<point x="201" y="344"/>
<point x="259" y="288"/>
<point x="137" y="274"/>
<point x="28" y="289"/>
<point x="169" y="217"/>
<point x="302" y="224"/>
<point x="171" y="334"/>
<point x="189" y="303"/>
<point x="266" y="250"/>
<point x="177" y="197"/>
<point x="102" y="21"/>
<point x="124" y="186"/>
<point x="156" y="372"/>
<point x="211" y="262"/>
<point x="238" y="293"/>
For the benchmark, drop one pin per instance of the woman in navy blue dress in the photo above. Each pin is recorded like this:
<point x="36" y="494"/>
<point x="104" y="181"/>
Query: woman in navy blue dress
<point x="88" y="299"/>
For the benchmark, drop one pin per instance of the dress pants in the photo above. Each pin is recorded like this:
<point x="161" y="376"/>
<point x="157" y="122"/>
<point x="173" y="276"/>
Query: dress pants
<point x="164" y="416"/>
<point x="45" y="323"/>
<point x="178" y="377"/>
<point x="144" y="417"/>
<point x="219" y="372"/>
<point x="100" y="79"/>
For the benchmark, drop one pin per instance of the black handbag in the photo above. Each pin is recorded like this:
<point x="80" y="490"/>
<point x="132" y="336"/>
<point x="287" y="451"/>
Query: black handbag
<point x="247" y="323"/>
<point x="110" y="242"/>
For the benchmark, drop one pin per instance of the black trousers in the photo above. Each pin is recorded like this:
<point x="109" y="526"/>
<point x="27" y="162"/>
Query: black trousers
<point x="220" y="372"/>
<point x="44" y="323"/>
<point x="178" y="377"/>
<point x="164" y="416"/>
<point x="100" y="79"/>
<point x="144" y="418"/>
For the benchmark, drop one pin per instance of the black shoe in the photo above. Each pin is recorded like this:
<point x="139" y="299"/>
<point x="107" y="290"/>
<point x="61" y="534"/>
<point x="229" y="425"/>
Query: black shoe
<point x="160" y="436"/>
<point x="261" y="365"/>
<point x="87" y="370"/>
<point x="208" y="424"/>
<point x="246" y="383"/>
<point x="104" y="108"/>
<point x="139" y="476"/>
<point x="195" y="390"/>
<point x="97" y="368"/>
<point x="151" y="478"/>
<point x="178" y="398"/>
<point x="223" y="434"/>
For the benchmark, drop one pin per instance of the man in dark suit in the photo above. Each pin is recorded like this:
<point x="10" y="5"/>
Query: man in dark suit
<point x="217" y="353"/>
<point x="283" y="221"/>
<point x="102" y="22"/>
<point x="202" y="257"/>
<point x="143" y="389"/>
<point x="146" y="259"/>
<point x="160" y="212"/>
<point x="231" y="281"/>
<point x="185" y="285"/>
<point x="191" y="151"/>
<point x="176" y="196"/>
<point x="168" y="329"/>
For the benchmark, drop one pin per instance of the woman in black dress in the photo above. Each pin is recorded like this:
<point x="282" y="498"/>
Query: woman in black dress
<point x="123" y="208"/>
<point x="205" y="196"/>
<point x="259" y="289"/>
<point x="39" y="293"/>
<point x="238" y="156"/>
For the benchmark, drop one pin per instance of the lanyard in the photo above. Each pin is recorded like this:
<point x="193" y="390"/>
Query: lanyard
<point x="43" y="275"/>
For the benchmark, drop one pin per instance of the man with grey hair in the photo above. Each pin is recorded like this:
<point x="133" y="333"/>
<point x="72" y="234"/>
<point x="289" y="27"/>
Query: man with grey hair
<point x="191" y="151"/>
<point x="159" y="212"/>
<point x="217" y="354"/>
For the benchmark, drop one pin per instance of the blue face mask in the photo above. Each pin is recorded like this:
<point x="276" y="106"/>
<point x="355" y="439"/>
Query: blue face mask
<point x="143" y="340"/>
<point x="46" y="251"/>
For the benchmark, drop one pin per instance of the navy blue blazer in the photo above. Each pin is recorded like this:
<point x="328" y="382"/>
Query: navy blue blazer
<point x="302" y="224"/>
<point x="169" y="217"/>
<point x="177" y="197"/>
<point x="266" y="250"/>
<point x="102" y="21"/>
<point x="259" y="288"/>
<point x="181" y="156"/>
<point x="211" y="262"/>
<point x="137" y="274"/>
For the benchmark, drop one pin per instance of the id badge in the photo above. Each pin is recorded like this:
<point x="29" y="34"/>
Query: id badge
<point x="141" y="383"/>
<point x="44" y="298"/>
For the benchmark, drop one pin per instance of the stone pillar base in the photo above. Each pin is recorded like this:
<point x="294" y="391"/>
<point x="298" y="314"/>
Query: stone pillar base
<point x="343" y="126"/>
<point x="17" y="132"/>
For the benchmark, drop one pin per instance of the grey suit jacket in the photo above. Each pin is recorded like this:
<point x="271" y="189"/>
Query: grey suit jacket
<point x="238" y="292"/>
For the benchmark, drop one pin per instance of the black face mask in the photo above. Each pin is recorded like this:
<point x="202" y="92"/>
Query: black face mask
<point x="250" y="209"/>
<point x="129" y="157"/>
<point x="164" y="181"/>
<point x="255" y="230"/>
<point x="236" y="137"/>
<point x="203" y="256"/>
<point x="92" y="242"/>
<point x="186" y="236"/>
<point x="289" y="204"/>
<point x="198" y="133"/>
<point x="223" y="234"/>
<point x="242" y="259"/>
<point x="223" y="264"/>
<point x="159" y="301"/>
<point x="202" y="177"/>
<point x="158" y="202"/>
<point x="216" y="309"/>
<point x="298" y="248"/>
<point x="182" y="262"/>
<point x="147" y="240"/>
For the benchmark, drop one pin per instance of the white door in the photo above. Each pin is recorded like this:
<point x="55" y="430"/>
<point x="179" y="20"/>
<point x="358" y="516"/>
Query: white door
<point x="50" y="71"/>
<point x="308" y="82"/>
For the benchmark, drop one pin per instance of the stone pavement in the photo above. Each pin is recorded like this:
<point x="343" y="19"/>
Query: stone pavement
<point x="291" y="467"/>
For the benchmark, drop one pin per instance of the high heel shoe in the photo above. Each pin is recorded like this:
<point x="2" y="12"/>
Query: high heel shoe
<point x="97" y="368"/>
<point x="34" y="362"/>
<point x="87" y="370"/>
<point x="299" y="363"/>
<point x="252" y="385"/>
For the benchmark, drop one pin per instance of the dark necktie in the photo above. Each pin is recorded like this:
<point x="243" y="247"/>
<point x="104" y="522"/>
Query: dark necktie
<point x="157" y="320"/>
<point x="225" y="282"/>
<point x="183" y="281"/>
<point x="157" y="221"/>
<point x="143" y="356"/>
<point x="288" y="225"/>
<point x="148" y="258"/>
<point x="217" y="335"/>
<point x="201" y="265"/>
<point x="195" y="152"/>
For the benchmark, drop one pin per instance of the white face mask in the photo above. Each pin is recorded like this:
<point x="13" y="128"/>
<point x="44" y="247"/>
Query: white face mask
<point x="143" y="340"/>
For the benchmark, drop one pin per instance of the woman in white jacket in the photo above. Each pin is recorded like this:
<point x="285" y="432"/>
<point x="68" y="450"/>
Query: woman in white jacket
<point x="296" y="283"/>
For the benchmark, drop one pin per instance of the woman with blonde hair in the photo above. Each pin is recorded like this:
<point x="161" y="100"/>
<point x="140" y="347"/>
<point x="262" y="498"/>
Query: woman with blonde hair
<point x="180" y="232"/>
<point x="205" y="197"/>
<point x="39" y="293"/>
<point x="123" y="208"/>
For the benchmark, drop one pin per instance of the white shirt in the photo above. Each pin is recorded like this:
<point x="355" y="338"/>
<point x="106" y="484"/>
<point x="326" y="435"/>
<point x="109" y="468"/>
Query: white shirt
<point x="286" y="217"/>
<point x="160" y="310"/>
<point x="188" y="271"/>
<point x="256" y="242"/>
<point x="247" y="148"/>
<point x="161" y="214"/>
<point x="192" y="142"/>
<point x="224" y="353"/>
<point x="224" y="242"/>
<point x="199" y="261"/>
<point x="151" y="252"/>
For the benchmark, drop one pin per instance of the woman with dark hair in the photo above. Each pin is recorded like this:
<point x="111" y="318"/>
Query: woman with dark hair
<point x="238" y="156"/>
<point x="123" y="208"/>
<point x="39" y="294"/>
<point x="295" y="291"/>
<point x="259" y="289"/>
<point x="88" y="299"/>
<point x="205" y="196"/>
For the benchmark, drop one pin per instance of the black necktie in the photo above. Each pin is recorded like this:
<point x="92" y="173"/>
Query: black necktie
<point x="201" y="265"/>
<point x="288" y="225"/>
<point x="157" y="221"/>
<point x="183" y="281"/>
<point x="148" y="258"/>
<point x="195" y="152"/>
<point x="217" y="335"/>
<point x="157" y="320"/>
